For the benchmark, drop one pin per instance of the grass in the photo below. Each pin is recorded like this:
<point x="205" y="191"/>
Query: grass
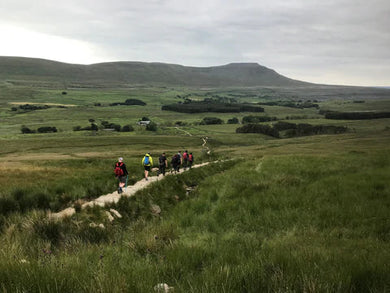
<point x="307" y="214"/>
<point x="286" y="226"/>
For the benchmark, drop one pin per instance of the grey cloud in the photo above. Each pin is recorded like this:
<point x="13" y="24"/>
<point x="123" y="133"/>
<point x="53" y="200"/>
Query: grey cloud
<point x="292" y="36"/>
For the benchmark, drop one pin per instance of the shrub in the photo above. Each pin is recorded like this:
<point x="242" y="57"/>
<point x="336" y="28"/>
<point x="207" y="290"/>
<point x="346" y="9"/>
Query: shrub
<point x="108" y="125"/>
<point x="28" y="107"/>
<point x="356" y="115"/>
<point x="127" y="128"/>
<point x="233" y="120"/>
<point x="94" y="126"/>
<point x="134" y="102"/>
<point x="281" y="125"/>
<point x="47" y="129"/>
<point x="180" y="123"/>
<point x="211" y="120"/>
<point x="258" y="128"/>
<point x="129" y="102"/>
<point x="257" y="119"/>
<point x="219" y="105"/>
<point x="151" y="126"/>
<point x="25" y="129"/>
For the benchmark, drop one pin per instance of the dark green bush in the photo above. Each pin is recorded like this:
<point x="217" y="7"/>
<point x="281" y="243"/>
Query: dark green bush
<point x="211" y="120"/>
<point x="219" y="105"/>
<point x="127" y="128"/>
<point x="129" y="102"/>
<point x="256" y="119"/>
<point x="356" y="115"/>
<point x="151" y="126"/>
<point x="134" y="102"/>
<point x="233" y="120"/>
<point x="47" y="129"/>
<point x="258" y="128"/>
<point x="28" y="107"/>
<point x="282" y="125"/>
<point x="24" y="129"/>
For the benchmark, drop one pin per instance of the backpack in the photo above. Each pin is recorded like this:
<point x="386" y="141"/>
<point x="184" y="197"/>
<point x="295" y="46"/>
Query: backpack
<point x="175" y="159"/>
<point x="190" y="158"/>
<point x="161" y="160"/>
<point x="118" y="170"/>
<point x="146" y="160"/>
<point x="185" y="156"/>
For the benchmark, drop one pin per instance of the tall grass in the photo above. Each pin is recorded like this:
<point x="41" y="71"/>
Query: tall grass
<point x="279" y="223"/>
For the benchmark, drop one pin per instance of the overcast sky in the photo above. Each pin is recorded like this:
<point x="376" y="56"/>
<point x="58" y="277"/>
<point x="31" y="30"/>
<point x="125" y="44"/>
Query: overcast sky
<point x="332" y="41"/>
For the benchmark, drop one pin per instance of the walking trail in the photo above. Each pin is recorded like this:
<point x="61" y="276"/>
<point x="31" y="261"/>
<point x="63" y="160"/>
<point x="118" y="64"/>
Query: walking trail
<point x="115" y="196"/>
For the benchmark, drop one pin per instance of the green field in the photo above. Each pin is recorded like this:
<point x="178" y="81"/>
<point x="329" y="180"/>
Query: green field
<point x="303" y="214"/>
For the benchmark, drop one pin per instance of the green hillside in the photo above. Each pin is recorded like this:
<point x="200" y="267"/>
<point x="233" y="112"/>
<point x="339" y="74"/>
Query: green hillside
<point x="136" y="73"/>
<point x="303" y="211"/>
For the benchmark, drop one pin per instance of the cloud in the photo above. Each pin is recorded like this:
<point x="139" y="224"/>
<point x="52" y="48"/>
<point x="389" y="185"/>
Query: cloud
<point x="299" y="38"/>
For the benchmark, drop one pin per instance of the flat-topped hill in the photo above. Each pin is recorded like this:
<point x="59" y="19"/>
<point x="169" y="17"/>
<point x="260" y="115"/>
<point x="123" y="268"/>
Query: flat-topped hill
<point x="138" y="73"/>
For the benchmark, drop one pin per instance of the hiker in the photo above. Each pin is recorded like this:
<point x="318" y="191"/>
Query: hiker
<point x="121" y="173"/>
<point x="179" y="161"/>
<point x="147" y="162"/>
<point x="185" y="159"/>
<point x="162" y="164"/>
<point x="175" y="162"/>
<point x="190" y="160"/>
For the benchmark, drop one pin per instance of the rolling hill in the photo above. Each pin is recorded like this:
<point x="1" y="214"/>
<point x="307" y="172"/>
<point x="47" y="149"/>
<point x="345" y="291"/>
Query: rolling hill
<point x="139" y="73"/>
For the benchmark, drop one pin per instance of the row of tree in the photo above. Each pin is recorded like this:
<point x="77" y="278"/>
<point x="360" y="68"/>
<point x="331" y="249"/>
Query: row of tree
<point x="354" y="115"/>
<point x="218" y="105"/>
<point x="291" y="104"/>
<point x="290" y="129"/>
<point x="152" y="126"/>
<point x="44" y="129"/>
<point x="130" y="102"/>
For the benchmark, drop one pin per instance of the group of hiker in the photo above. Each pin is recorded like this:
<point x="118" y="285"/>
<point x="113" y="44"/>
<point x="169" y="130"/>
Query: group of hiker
<point x="178" y="160"/>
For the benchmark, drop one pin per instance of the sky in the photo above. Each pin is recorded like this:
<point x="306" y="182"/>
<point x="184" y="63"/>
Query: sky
<point x="344" y="42"/>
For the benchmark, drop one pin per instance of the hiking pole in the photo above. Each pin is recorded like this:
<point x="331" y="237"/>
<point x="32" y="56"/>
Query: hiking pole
<point x="127" y="178"/>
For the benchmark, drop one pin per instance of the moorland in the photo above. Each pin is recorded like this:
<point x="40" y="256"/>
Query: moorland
<point x="306" y="210"/>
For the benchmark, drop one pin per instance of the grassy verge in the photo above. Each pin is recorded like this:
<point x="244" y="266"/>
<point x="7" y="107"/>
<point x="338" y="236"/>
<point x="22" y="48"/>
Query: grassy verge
<point x="286" y="223"/>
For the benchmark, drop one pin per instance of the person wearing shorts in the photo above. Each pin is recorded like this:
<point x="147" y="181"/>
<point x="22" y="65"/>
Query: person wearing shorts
<point x="121" y="173"/>
<point x="147" y="162"/>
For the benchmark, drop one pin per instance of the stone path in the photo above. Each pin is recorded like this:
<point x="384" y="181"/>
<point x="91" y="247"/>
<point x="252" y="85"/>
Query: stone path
<point x="114" y="197"/>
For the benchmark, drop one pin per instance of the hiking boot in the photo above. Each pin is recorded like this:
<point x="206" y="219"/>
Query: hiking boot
<point x="146" y="179"/>
<point x="120" y="190"/>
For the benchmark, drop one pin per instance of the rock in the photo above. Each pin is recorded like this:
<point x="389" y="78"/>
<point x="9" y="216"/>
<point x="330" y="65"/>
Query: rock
<point x="109" y="216"/>
<point x="24" y="261"/>
<point x="94" y="225"/>
<point x="162" y="287"/>
<point x="63" y="214"/>
<point x="116" y="213"/>
<point x="155" y="209"/>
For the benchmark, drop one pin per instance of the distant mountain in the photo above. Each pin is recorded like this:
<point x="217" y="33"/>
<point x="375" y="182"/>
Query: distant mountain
<point x="142" y="73"/>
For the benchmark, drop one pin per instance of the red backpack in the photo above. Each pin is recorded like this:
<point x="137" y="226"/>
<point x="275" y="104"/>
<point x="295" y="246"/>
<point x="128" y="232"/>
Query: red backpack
<point x="118" y="169"/>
